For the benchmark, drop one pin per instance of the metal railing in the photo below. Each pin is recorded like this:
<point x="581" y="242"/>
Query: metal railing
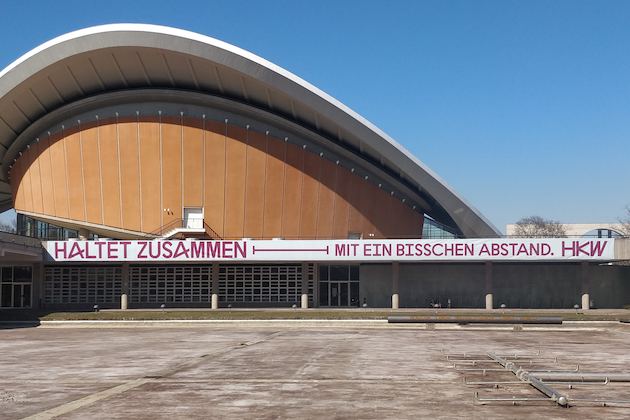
<point x="174" y="224"/>
<point x="210" y="232"/>
<point x="179" y="224"/>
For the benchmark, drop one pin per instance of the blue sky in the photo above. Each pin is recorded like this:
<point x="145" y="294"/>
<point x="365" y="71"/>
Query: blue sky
<point x="522" y="106"/>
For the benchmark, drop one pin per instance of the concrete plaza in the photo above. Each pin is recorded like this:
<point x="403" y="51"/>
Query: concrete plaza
<point x="291" y="370"/>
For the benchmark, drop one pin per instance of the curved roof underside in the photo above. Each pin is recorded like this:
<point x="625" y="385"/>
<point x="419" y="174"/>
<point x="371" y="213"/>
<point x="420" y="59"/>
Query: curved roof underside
<point x="83" y="65"/>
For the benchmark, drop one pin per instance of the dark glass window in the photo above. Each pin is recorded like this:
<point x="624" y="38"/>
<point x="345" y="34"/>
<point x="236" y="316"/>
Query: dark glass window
<point x="7" y="274"/>
<point x="354" y="272"/>
<point x="23" y="274"/>
<point x="323" y="293"/>
<point x="323" y="273"/>
<point x="339" y="272"/>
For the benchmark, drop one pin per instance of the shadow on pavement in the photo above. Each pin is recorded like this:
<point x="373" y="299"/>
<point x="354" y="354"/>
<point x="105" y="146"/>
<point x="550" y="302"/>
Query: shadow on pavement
<point x="21" y="318"/>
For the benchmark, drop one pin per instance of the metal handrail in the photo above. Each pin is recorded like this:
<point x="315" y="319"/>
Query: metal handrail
<point x="210" y="232"/>
<point x="165" y="228"/>
<point x="179" y="223"/>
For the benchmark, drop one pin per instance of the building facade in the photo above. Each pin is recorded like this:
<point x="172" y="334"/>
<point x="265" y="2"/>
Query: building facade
<point x="154" y="135"/>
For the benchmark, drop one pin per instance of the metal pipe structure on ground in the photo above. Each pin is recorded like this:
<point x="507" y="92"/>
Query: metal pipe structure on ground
<point x="542" y="379"/>
<point x="477" y="319"/>
<point x="525" y="376"/>
<point x="581" y="376"/>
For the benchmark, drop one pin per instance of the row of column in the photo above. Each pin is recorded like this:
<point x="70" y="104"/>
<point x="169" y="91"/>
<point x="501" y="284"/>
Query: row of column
<point x="489" y="296"/>
<point x="395" y="286"/>
<point x="124" y="299"/>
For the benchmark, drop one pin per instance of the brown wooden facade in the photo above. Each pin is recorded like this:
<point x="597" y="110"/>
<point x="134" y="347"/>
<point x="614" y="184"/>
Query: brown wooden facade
<point x="139" y="173"/>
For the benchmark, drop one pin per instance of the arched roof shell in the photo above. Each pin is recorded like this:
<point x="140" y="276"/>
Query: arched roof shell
<point x="124" y="57"/>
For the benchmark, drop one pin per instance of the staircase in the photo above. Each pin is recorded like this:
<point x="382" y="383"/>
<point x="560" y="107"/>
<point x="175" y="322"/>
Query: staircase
<point x="194" y="228"/>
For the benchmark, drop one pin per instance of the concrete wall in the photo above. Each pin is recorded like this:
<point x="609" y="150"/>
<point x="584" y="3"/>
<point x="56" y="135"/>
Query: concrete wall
<point x="560" y="285"/>
<point x="622" y="249"/>
<point x="537" y="285"/>
<point x="609" y="285"/>
<point x="464" y="284"/>
<point x="518" y="285"/>
<point x="375" y="285"/>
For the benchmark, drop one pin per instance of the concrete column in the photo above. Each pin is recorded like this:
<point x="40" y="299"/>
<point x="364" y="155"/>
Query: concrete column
<point x="586" y="297"/>
<point x="315" y="285"/>
<point x="84" y="234"/>
<point x="214" y="285"/>
<point x="37" y="288"/>
<point x="214" y="278"/>
<point x="489" y="301"/>
<point x="124" y="298"/>
<point x="395" y="301"/>
<point x="489" y="297"/>
<point x="42" y="280"/>
<point x="304" y="303"/>
<point x="395" y="284"/>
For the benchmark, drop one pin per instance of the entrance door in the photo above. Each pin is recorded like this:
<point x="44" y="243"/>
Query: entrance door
<point x="343" y="294"/>
<point x="21" y="295"/>
<point x="193" y="217"/>
<point x="16" y="296"/>
<point x="16" y="286"/>
<point x="339" y="285"/>
<point x="334" y="294"/>
<point x="338" y="294"/>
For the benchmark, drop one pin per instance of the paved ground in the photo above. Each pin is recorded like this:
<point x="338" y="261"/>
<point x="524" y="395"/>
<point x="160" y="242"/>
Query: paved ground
<point x="289" y="370"/>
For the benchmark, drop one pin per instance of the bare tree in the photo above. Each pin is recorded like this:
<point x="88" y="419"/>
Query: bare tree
<point x="10" y="227"/>
<point x="537" y="227"/>
<point x="625" y="223"/>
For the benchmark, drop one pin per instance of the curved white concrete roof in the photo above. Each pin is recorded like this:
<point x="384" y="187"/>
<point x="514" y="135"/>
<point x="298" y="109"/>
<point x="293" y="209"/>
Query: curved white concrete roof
<point x="85" y="64"/>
